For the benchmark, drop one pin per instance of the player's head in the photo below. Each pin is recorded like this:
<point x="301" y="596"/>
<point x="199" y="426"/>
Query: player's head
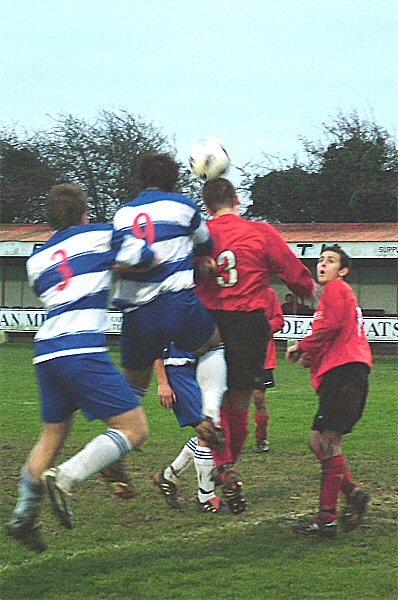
<point x="289" y="298"/>
<point x="333" y="263"/>
<point x="219" y="193"/>
<point x="159" y="171"/>
<point x="66" y="206"/>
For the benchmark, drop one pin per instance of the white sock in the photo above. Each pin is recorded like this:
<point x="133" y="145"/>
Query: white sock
<point x="30" y="494"/>
<point x="182" y="462"/>
<point x="204" y="465"/>
<point x="102" y="451"/>
<point x="212" y="379"/>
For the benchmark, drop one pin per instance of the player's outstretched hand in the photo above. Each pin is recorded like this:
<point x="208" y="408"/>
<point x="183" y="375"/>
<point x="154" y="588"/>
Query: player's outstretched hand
<point x="292" y="354"/>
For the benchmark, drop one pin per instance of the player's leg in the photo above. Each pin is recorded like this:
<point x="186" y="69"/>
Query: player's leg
<point x="315" y="444"/>
<point x="119" y="480"/>
<point x="189" y="411"/>
<point x="207" y="500"/>
<point x="140" y="346"/>
<point x="245" y="336"/>
<point x="99" y="389"/>
<point x="211" y="374"/>
<point x="324" y="523"/>
<point x="56" y="413"/>
<point x="167" y="479"/>
<point x="342" y="398"/>
<point x="261" y="418"/>
<point x="356" y="499"/>
<point x="196" y="331"/>
<point x="137" y="352"/>
<point x="261" y="412"/>
<point x="24" y="524"/>
<point x="212" y="379"/>
<point x="325" y="442"/>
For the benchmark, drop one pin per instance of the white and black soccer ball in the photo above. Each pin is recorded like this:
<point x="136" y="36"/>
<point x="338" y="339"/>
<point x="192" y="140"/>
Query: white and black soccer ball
<point x="209" y="159"/>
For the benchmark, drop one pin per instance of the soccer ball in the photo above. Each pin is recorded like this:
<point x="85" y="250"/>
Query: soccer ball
<point x="209" y="159"/>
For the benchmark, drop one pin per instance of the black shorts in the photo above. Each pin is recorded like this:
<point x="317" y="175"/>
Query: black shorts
<point x="342" y="398"/>
<point x="269" y="381"/>
<point x="245" y="336"/>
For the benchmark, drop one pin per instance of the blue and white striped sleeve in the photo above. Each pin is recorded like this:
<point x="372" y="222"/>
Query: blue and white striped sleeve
<point x="203" y="244"/>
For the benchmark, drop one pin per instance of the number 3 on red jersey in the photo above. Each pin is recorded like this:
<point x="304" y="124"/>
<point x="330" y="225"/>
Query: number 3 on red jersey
<point x="63" y="268"/>
<point x="228" y="274"/>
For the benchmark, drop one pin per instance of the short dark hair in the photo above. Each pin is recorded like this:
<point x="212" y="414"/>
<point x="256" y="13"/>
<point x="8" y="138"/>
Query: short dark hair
<point x="219" y="193"/>
<point x="159" y="171"/>
<point x="345" y="260"/>
<point x="66" y="205"/>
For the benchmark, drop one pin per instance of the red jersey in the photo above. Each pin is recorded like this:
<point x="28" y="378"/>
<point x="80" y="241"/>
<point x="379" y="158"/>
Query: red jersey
<point x="338" y="335"/>
<point x="275" y="318"/>
<point x="247" y="253"/>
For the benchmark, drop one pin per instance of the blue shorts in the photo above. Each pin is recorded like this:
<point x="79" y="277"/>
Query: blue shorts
<point x="188" y="404"/>
<point x="178" y="317"/>
<point x="89" y="382"/>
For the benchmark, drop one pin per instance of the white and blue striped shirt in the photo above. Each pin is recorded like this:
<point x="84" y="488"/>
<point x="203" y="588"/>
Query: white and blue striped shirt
<point x="71" y="275"/>
<point x="174" y="228"/>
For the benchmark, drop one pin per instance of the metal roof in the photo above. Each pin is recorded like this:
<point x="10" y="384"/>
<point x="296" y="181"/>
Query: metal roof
<point x="338" y="232"/>
<point x="24" y="233"/>
<point x="291" y="232"/>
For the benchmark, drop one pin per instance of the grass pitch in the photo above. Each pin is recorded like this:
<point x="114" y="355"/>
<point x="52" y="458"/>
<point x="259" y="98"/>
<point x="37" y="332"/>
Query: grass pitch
<point x="142" y="549"/>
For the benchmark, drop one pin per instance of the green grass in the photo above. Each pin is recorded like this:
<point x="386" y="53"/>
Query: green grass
<point x="141" y="549"/>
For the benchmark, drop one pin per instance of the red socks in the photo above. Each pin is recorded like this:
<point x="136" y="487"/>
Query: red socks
<point x="224" y="455"/>
<point x="239" y="423"/>
<point x="235" y="427"/>
<point x="333" y="470"/>
<point x="261" y="427"/>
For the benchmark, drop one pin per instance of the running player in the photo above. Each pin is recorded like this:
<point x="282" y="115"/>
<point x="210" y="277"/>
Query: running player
<point x="338" y="354"/>
<point x="246" y="254"/>
<point x="71" y="273"/>
<point x="178" y="389"/>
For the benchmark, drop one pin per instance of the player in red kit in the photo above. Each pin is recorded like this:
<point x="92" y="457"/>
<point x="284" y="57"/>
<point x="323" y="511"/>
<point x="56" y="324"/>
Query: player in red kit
<point x="274" y="314"/>
<point x="246" y="253"/>
<point x="339" y="357"/>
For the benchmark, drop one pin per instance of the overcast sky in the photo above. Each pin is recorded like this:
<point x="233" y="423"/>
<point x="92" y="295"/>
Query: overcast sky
<point x="259" y="74"/>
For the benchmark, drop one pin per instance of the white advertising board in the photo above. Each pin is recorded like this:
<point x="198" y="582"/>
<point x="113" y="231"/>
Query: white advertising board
<point x="378" y="329"/>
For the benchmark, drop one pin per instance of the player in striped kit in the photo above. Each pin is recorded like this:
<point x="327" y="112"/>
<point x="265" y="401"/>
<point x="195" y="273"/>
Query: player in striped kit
<point x="160" y="306"/>
<point x="181" y="387"/>
<point x="71" y="273"/>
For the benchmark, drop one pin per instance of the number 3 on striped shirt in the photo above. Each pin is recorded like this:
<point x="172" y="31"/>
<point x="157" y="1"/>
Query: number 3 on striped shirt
<point x="144" y="230"/>
<point x="63" y="268"/>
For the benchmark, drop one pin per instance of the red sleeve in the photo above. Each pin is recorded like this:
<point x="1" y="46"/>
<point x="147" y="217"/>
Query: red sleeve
<point x="284" y="263"/>
<point x="275" y="314"/>
<point x="329" y="322"/>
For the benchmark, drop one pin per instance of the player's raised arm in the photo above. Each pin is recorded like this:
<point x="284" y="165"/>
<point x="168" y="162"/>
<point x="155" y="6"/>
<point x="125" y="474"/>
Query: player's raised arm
<point x="287" y="266"/>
